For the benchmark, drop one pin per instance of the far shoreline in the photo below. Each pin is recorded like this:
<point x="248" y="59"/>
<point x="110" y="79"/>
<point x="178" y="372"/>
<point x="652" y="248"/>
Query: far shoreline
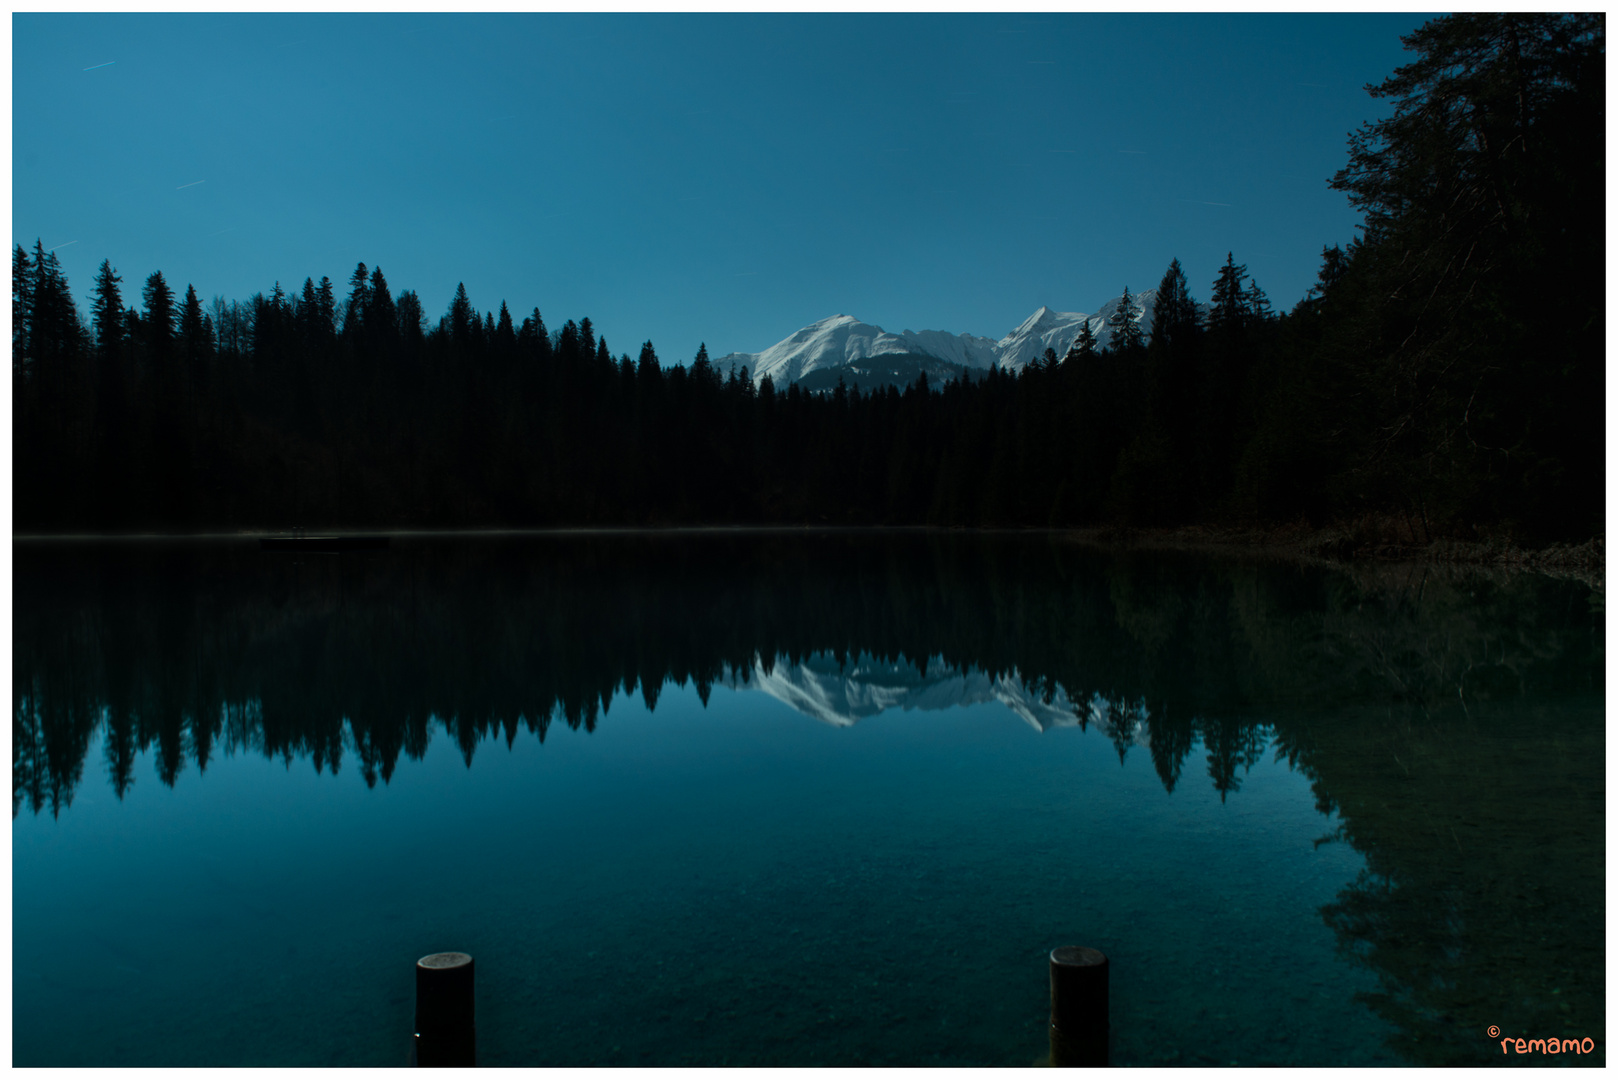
<point x="1342" y="545"/>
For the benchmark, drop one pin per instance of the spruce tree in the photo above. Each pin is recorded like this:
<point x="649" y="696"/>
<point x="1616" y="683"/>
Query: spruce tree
<point x="308" y="315"/>
<point x="702" y="369"/>
<point x="461" y="318"/>
<point x="326" y="297"/>
<point x="648" y="366"/>
<point x="359" y="298"/>
<point x="504" y="334"/>
<point x="541" y="342"/>
<point x="1229" y="314"/>
<point x="107" y="311"/>
<point x="1084" y="344"/>
<point x="1125" y="324"/>
<point x="409" y="317"/>
<point x="158" y="317"/>
<point x="381" y="314"/>
<point x="195" y="343"/>
<point x="1174" y="316"/>
<point x="1255" y="305"/>
<point x="22" y="305"/>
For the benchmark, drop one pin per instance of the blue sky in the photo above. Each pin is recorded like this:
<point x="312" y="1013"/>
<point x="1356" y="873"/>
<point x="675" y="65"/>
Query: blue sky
<point x="695" y="178"/>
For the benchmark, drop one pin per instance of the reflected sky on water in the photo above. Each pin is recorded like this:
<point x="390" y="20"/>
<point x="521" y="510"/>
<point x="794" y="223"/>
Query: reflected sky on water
<point x="696" y="802"/>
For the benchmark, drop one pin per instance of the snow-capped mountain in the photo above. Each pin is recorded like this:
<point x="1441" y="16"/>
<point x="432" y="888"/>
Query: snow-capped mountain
<point x="842" y="695"/>
<point x="843" y="339"/>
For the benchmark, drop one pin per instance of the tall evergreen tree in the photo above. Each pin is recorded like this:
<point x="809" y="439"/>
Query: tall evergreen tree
<point x="1125" y="324"/>
<point x="326" y="297"/>
<point x="195" y="342"/>
<point x="22" y="311"/>
<point x="1084" y="344"/>
<point x="359" y="298"/>
<point x="702" y="369"/>
<point x="158" y="317"/>
<point x="648" y="367"/>
<point x="505" y="335"/>
<point x="461" y="318"/>
<point x="107" y="311"/>
<point x="409" y="316"/>
<point x="381" y="314"/>
<point x="1485" y="353"/>
<point x="1174" y="316"/>
<point x="1229" y="309"/>
<point x="587" y="338"/>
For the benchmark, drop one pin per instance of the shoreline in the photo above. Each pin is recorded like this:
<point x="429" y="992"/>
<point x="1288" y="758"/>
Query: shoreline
<point x="1339" y="545"/>
<point x="1349" y="546"/>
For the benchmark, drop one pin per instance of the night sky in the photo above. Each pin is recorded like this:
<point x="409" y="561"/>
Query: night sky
<point x="695" y="178"/>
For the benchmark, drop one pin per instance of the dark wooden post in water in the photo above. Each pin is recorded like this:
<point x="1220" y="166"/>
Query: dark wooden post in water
<point x="445" y="1032"/>
<point x="1079" y="1023"/>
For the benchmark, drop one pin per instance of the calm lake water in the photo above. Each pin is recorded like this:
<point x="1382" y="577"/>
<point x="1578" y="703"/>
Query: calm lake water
<point x="807" y="799"/>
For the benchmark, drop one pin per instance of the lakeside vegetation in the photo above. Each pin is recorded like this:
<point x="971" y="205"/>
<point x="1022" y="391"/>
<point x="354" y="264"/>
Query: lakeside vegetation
<point x="1443" y="377"/>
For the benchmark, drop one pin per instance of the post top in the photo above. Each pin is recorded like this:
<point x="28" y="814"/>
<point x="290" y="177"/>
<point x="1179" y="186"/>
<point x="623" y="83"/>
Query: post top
<point x="444" y="960"/>
<point x="1077" y="956"/>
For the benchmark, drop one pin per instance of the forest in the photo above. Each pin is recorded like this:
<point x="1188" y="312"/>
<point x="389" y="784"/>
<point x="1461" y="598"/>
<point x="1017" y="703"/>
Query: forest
<point x="1444" y="374"/>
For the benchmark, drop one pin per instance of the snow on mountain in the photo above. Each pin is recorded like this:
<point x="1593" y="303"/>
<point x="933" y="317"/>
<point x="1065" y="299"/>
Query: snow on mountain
<point x="1047" y="329"/>
<point x="843" y="339"/>
<point x="842" y="695"/>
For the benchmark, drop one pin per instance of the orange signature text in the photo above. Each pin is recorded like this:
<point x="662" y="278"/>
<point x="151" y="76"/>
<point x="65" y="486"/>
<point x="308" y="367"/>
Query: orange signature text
<point x="1547" y="1046"/>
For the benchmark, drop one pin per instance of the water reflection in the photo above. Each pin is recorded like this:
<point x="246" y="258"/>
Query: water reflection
<point x="1452" y="719"/>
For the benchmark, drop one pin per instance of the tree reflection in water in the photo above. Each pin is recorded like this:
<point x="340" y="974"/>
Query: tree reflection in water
<point x="1454" y="719"/>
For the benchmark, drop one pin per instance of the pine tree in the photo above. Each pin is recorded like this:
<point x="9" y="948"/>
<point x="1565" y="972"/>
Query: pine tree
<point x="505" y="336"/>
<point x="157" y="320"/>
<point x="1084" y="344"/>
<point x="1333" y="267"/>
<point x="648" y="367"/>
<point x="327" y="307"/>
<point x="308" y="315"/>
<point x="461" y="318"/>
<point x="22" y="312"/>
<point x="1174" y="317"/>
<point x="1483" y="355"/>
<point x="1229" y="314"/>
<point x="537" y="342"/>
<point x="107" y="311"/>
<point x="359" y="298"/>
<point x="381" y="314"/>
<point x="1255" y="305"/>
<point x="1125" y="324"/>
<point x="409" y="317"/>
<point x="54" y="334"/>
<point x="702" y="369"/>
<point x="195" y="343"/>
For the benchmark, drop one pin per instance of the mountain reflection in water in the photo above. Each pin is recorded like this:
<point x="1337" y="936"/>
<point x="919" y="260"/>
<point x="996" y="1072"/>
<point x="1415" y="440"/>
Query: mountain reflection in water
<point x="1452" y="719"/>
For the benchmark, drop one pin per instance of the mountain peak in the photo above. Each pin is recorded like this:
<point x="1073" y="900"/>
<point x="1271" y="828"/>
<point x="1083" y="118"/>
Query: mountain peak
<point x="843" y="339"/>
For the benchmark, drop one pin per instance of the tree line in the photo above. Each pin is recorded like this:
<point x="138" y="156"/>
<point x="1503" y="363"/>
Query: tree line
<point x="188" y="652"/>
<point x="1444" y="373"/>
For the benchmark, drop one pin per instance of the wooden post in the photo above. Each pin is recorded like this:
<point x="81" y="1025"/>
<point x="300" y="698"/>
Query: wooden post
<point x="445" y="1031"/>
<point x="1079" y="1022"/>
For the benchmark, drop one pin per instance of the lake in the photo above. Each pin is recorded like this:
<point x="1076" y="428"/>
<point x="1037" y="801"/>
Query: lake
<point x="800" y="798"/>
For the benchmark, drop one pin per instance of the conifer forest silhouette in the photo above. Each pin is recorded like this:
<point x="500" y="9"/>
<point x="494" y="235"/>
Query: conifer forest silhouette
<point x="1443" y="375"/>
<point x="1408" y="696"/>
